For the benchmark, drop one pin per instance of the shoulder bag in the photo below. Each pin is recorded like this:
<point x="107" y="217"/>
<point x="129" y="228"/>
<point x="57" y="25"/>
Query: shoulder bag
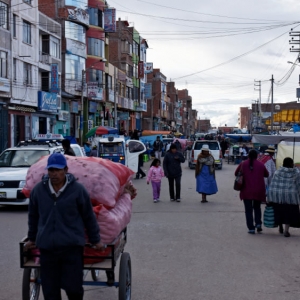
<point x="269" y="220"/>
<point x="238" y="182"/>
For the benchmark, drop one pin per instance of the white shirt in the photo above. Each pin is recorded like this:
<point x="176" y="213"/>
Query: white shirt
<point x="60" y="190"/>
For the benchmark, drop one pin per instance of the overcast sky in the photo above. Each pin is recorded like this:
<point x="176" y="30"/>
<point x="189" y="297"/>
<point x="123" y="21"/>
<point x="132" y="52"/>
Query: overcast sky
<point x="216" y="49"/>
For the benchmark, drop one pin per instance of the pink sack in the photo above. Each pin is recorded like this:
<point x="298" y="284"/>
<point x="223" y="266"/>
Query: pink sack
<point x="102" y="183"/>
<point x="113" y="221"/>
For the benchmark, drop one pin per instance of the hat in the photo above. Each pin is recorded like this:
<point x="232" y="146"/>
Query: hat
<point x="87" y="142"/>
<point x="205" y="147"/>
<point x="56" y="161"/>
<point x="94" y="147"/>
<point x="271" y="149"/>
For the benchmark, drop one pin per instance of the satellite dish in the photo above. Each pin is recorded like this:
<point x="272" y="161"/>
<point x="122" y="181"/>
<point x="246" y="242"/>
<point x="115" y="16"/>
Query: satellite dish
<point x="277" y="107"/>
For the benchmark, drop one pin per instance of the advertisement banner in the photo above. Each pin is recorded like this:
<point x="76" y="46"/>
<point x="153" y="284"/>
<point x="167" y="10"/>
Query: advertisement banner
<point x="74" y="107"/>
<point x="148" y="90"/>
<point x="94" y="91"/>
<point x="148" y="68"/>
<point x="79" y="15"/>
<point x="123" y="116"/>
<point x="63" y="115"/>
<point x="47" y="101"/>
<point x="54" y="79"/>
<point x="141" y="72"/>
<point x="110" y="20"/>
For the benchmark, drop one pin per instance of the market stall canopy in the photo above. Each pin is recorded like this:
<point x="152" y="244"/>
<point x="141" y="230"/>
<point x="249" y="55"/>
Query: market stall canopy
<point x="100" y="130"/>
<point x="241" y="137"/>
<point x="275" y="139"/>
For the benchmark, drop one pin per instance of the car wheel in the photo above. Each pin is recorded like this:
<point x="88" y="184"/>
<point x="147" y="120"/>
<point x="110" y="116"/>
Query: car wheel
<point x="220" y="167"/>
<point x="190" y="165"/>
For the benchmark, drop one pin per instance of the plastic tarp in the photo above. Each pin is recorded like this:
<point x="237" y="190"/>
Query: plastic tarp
<point x="287" y="149"/>
<point x="275" y="139"/>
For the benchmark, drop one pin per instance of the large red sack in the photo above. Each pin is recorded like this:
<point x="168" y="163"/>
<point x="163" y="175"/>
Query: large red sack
<point x="112" y="221"/>
<point x="103" y="179"/>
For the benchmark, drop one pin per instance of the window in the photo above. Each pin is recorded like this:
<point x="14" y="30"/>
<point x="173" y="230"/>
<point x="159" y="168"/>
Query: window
<point x="95" y="76"/>
<point x="27" y="1"/>
<point x="14" y="69"/>
<point x="74" y="66"/>
<point x="54" y="47"/>
<point x="136" y="48"/>
<point x="27" y="75"/>
<point x="26" y="32"/>
<point x="109" y="82"/>
<point x="45" y="82"/>
<point x="14" y="26"/>
<point x="75" y="31"/>
<point x="129" y="71"/>
<point x="96" y="47"/>
<point x="3" y="15"/>
<point x="96" y="16"/>
<point x="3" y="64"/>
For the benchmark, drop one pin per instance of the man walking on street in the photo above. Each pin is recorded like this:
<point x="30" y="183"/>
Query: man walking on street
<point x="172" y="169"/>
<point x="157" y="147"/>
<point x="60" y="212"/>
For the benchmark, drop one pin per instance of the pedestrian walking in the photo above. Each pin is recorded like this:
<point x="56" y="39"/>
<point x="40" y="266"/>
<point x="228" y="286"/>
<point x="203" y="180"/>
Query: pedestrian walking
<point x="140" y="173"/>
<point x="155" y="175"/>
<point x="172" y="169"/>
<point x="66" y="144"/>
<point x="268" y="160"/>
<point x="205" y="174"/>
<point x="94" y="151"/>
<point x="253" y="191"/>
<point x="224" y="146"/>
<point x="157" y="147"/>
<point x="87" y="148"/>
<point x="284" y="195"/>
<point x="60" y="215"/>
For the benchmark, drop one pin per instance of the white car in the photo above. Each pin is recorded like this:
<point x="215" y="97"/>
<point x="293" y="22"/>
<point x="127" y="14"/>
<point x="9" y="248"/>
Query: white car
<point x="15" y="162"/>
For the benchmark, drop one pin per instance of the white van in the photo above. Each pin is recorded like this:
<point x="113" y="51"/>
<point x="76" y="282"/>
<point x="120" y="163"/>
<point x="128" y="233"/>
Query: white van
<point x="214" y="148"/>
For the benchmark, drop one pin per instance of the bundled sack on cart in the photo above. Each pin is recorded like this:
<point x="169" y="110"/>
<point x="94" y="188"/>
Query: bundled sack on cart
<point x="104" y="180"/>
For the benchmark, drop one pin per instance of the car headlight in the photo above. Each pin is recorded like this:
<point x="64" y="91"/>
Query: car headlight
<point x="22" y="184"/>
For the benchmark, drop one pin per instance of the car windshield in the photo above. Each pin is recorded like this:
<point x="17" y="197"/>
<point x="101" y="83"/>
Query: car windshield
<point x="21" y="158"/>
<point x="111" y="148"/>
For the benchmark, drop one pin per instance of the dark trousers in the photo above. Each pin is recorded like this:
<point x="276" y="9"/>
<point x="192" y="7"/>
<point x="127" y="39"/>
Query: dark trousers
<point x="171" y="187"/>
<point x="62" y="269"/>
<point x="250" y="207"/>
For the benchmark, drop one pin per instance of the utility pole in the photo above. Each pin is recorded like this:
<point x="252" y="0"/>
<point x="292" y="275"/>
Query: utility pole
<point x="115" y="99"/>
<point x="82" y="106"/>
<point x="272" y="100"/>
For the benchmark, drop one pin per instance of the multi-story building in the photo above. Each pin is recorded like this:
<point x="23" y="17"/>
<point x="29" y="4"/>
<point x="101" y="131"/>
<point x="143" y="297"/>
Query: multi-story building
<point x="244" y="118"/>
<point x="187" y="118"/>
<point x="29" y="72"/>
<point x="156" y="117"/>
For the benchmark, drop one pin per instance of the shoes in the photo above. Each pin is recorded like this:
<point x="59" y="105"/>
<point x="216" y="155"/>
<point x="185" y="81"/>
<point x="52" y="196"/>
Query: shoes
<point x="154" y="200"/>
<point x="286" y="234"/>
<point x="280" y="229"/>
<point x="252" y="231"/>
<point x="143" y="176"/>
<point x="178" y="200"/>
<point x="157" y="199"/>
<point x="259" y="229"/>
<point x="204" y="201"/>
<point x="172" y="200"/>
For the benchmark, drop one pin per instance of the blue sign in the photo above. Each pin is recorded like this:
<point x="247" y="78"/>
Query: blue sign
<point x="92" y="107"/>
<point x="47" y="101"/>
<point x="110" y="20"/>
<point x="75" y="107"/>
<point x="54" y="79"/>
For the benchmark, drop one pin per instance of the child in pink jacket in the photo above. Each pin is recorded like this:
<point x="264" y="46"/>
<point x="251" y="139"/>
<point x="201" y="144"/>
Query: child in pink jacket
<point x="155" y="175"/>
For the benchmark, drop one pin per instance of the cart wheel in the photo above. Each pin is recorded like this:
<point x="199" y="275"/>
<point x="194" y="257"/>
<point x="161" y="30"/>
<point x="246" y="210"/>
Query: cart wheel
<point x="95" y="274"/>
<point x="31" y="284"/>
<point x="125" y="277"/>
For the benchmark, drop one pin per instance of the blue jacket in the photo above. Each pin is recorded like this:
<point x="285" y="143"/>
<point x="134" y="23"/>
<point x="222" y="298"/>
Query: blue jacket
<point x="172" y="166"/>
<point x="55" y="223"/>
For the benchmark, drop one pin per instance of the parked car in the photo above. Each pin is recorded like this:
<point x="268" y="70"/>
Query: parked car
<point x="214" y="148"/>
<point x="15" y="162"/>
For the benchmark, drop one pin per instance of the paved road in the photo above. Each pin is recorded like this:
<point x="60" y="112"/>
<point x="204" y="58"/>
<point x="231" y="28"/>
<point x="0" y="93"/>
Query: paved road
<point x="184" y="251"/>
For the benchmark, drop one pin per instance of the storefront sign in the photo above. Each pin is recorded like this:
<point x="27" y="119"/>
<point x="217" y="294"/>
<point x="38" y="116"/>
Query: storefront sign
<point x="111" y="95"/>
<point x="122" y="116"/>
<point x="79" y="15"/>
<point x="110" y="20"/>
<point x="148" y="90"/>
<point x="63" y="115"/>
<point x="4" y="85"/>
<point x="54" y="79"/>
<point x="141" y="72"/>
<point x="129" y="82"/>
<point x="47" y="101"/>
<point x="94" y="91"/>
<point x="76" y="48"/>
<point x="149" y="68"/>
<point x="92" y="106"/>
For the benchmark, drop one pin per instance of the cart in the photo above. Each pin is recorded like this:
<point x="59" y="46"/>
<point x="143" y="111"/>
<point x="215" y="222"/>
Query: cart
<point x="31" y="274"/>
